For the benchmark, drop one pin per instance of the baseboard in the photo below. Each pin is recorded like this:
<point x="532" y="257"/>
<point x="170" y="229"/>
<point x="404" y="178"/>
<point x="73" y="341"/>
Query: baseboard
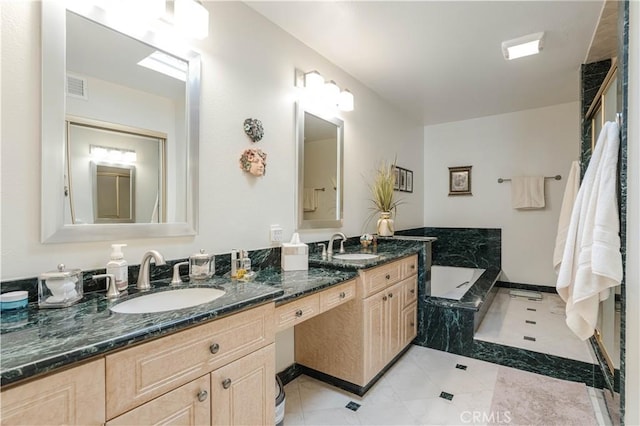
<point x="522" y="286"/>
<point x="290" y="373"/>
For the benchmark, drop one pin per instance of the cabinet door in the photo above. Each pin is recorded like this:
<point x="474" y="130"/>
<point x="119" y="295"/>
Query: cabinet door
<point x="409" y="323"/>
<point x="74" y="396"/>
<point x="393" y="319"/>
<point x="243" y="392"/>
<point x="375" y="351"/>
<point x="187" y="405"/>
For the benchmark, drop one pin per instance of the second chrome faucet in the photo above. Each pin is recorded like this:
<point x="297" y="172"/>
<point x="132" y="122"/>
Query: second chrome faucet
<point x="332" y="239"/>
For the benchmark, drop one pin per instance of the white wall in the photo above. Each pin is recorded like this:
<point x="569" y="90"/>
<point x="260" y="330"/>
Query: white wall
<point x="541" y="141"/>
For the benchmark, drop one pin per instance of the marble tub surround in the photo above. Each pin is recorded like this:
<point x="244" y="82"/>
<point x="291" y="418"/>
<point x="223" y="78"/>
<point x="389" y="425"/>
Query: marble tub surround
<point x="466" y="247"/>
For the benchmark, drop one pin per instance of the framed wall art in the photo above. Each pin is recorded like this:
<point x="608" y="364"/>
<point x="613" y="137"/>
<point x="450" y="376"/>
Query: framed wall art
<point x="409" y="186"/>
<point x="460" y="180"/>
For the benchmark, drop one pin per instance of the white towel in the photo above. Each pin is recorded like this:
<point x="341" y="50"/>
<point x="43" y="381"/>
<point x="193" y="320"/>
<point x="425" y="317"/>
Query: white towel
<point x="591" y="262"/>
<point x="568" y="200"/>
<point x="309" y="200"/>
<point x="527" y="192"/>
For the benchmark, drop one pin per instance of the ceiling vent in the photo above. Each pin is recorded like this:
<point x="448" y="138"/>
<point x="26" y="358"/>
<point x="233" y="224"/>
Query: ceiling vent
<point x="77" y="87"/>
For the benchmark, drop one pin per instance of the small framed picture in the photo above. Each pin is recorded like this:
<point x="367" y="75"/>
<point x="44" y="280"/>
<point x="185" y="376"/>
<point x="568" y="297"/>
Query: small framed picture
<point x="396" y="182"/>
<point x="409" y="187"/>
<point x="403" y="179"/>
<point x="460" y="180"/>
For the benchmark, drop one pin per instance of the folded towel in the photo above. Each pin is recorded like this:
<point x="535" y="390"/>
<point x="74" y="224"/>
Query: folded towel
<point x="592" y="262"/>
<point x="309" y="200"/>
<point x="527" y="192"/>
<point x="568" y="200"/>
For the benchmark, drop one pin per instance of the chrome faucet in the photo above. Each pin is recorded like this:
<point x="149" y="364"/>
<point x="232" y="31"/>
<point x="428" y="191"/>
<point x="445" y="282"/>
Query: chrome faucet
<point x="143" y="276"/>
<point x="330" y="245"/>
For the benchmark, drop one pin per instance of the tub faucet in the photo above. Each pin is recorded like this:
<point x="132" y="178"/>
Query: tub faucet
<point x="330" y="245"/>
<point x="145" y="264"/>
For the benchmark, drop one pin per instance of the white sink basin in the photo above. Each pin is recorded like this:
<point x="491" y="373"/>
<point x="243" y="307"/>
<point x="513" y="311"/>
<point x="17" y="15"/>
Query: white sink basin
<point x="355" y="256"/>
<point x="168" y="300"/>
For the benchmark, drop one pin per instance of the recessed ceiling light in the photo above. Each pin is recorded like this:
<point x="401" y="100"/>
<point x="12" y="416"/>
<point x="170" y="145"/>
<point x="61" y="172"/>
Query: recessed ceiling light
<point x="522" y="46"/>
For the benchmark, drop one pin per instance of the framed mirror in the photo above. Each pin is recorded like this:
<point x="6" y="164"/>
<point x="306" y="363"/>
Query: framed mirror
<point x="320" y="141"/>
<point x="127" y="91"/>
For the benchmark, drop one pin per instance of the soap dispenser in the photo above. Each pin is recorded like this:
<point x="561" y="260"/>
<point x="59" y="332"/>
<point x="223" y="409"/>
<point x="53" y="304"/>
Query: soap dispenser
<point x="118" y="267"/>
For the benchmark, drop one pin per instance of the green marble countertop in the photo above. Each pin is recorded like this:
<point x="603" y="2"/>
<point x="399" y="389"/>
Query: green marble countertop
<point x="35" y="341"/>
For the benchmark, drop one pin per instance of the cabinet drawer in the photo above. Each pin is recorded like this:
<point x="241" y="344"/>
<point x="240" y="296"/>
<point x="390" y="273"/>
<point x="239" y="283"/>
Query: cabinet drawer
<point x="409" y="323"/>
<point x="74" y="396"/>
<point x="338" y="295"/>
<point x="409" y="266"/>
<point x="376" y="279"/>
<point x="295" y="312"/>
<point x="189" y="404"/>
<point x="409" y="291"/>
<point x="139" y="374"/>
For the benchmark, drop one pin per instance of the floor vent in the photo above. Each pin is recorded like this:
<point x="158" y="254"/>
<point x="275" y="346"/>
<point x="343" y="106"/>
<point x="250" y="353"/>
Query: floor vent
<point x="532" y="309"/>
<point x="461" y="367"/>
<point x="530" y="322"/>
<point x="531" y="339"/>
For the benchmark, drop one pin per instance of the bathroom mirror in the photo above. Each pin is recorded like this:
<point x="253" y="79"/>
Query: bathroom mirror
<point x="92" y="74"/>
<point x="320" y="169"/>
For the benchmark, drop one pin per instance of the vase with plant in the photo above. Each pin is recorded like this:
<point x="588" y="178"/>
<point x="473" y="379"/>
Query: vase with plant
<point x="383" y="198"/>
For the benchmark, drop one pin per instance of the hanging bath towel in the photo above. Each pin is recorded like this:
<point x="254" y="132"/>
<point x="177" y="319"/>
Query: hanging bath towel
<point x="568" y="200"/>
<point x="527" y="192"/>
<point x="592" y="262"/>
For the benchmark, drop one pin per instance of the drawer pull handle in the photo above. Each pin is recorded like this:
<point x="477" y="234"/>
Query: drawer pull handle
<point x="202" y="395"/>
<point x="214" y="348"/>
<point x="390" y="295"/>
<point x="226" y="383"/>
<point x="299" y="313"/>
<point x="342" y="295"/>
<point x="388" y="276"/>
<point x="384" y="298"/>
<point x="413" y="266"/>
<point x="413" y="291"/>
<point x="412" y="324"/>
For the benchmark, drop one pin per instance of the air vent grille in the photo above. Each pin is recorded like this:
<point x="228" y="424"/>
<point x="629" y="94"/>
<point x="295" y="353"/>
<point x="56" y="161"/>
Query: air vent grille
<point x="77" y="86"/>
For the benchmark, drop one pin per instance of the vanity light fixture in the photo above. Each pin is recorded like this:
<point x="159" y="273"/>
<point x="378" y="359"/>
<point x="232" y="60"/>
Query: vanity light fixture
<point x="192" y="18"/>
<point x="325" y="94"/>
<point x="523" y="46"/>
<point x="313" y="80"/>
<point x="166" y="64"/>
<point x="112" y="155"/>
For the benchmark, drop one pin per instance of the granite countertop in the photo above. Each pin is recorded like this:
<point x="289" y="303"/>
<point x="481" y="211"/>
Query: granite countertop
<point x="387" y="250"/>
<point x="35" y="341"/>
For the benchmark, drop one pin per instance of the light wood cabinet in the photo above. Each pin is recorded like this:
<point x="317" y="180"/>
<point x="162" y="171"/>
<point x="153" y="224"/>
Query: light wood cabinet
<point x="189" y="404"/>
<point x="139" y="374"/>
<point x="73" y="396"/>
<point x="290" y="314"/>
<point x="243" y="392"/>
<point x="358" y="339"/>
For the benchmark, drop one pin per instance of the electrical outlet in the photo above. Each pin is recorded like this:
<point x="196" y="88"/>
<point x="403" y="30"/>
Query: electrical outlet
<point x="276" y="234"/>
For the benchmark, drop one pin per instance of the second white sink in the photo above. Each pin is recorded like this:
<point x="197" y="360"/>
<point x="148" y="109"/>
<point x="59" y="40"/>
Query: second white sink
<point x="355" y="256"/>
<point x="168" y="300"/>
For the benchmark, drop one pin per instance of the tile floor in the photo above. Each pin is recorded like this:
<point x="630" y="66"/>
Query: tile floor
<point x="408" y="394"/>
<point x="534" y="325"/>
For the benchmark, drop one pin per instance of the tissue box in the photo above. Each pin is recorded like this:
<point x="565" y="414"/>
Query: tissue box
<point x="295" y="257"/>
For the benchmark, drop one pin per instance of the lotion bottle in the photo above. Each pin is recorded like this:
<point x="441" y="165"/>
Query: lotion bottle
<point x="118" y="267"/>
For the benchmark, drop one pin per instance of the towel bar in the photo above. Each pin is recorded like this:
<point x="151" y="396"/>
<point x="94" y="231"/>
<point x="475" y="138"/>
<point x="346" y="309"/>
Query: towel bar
<point x="556" y="177"/>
